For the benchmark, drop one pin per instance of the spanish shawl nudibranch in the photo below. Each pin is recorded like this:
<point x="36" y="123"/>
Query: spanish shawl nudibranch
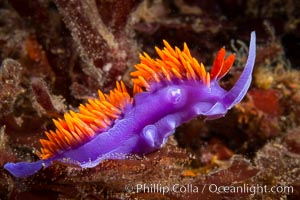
<point x="167" y="92"/>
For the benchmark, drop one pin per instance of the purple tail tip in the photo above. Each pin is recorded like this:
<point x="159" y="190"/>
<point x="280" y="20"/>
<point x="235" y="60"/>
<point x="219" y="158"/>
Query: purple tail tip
<point x="24" y="169"/>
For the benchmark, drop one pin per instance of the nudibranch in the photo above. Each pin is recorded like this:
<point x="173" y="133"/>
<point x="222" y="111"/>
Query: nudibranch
<point x="168" y="91"/>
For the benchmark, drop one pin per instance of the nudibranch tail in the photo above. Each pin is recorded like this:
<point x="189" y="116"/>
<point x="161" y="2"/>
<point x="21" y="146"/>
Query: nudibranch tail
<point x="24" y="169"/>
<point x="93" y="118"/>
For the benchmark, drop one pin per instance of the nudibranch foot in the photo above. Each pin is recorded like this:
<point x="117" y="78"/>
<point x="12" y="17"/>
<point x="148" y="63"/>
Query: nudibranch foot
<point x="168" y="91"/>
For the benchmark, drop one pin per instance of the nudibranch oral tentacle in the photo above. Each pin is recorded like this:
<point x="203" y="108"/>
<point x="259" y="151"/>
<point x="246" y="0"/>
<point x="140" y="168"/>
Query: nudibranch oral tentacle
<point x="168" y="91"/>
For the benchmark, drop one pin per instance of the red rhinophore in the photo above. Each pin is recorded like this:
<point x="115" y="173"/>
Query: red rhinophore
<point x="221" y="66"/>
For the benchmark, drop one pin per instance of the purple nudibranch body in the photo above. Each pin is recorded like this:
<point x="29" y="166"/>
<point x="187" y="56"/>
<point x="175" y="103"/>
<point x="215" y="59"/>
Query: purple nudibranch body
<point x="145" y="124"/>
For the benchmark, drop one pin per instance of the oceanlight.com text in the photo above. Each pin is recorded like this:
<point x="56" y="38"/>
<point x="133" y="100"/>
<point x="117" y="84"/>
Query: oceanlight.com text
<point x="212" y="188"/>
